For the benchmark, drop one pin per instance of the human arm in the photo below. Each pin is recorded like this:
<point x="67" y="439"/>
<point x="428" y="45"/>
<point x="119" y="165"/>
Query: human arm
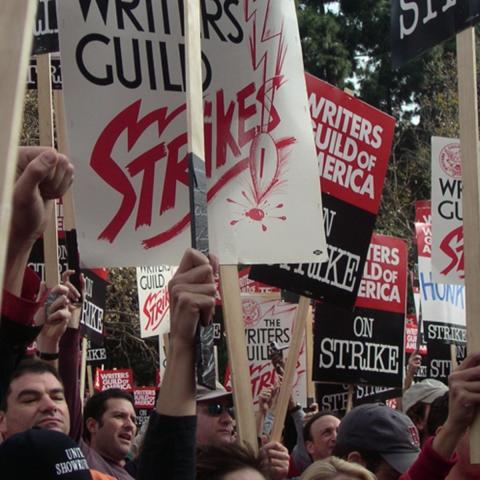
<point x="277" y="459"/>
<point x="170" y="440"/>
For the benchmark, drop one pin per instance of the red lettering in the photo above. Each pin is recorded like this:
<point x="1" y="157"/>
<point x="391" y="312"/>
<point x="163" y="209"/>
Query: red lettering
<point x="452" y="246"/>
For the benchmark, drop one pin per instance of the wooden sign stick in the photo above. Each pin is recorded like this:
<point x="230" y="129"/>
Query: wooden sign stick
<point x="237" y="355"/>
<point x="83" y="369"/>
<point x="289" y="375"/>
<point x="45" y="120"/>
<point x="351" y="391"/>
<point x="468" y="104"/>
<point x="90" y="380"/>
<point x="309" y="355"/>
<point x="16" y="26"/>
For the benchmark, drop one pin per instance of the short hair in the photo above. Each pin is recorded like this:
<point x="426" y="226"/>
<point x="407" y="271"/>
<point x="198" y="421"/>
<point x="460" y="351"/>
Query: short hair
<point x="372" y="459"/>
<point x="97" y="405"/>
<point x="438" y="414"/>
<point x="331" y="467"/>
<point x="25" y="367"/>
<point x="307" y="429"/>
<point x="216" y="461"/>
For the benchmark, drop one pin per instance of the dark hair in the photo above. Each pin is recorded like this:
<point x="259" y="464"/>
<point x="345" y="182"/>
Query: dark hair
<point x="372" y="459"/>
<point x="307" y="429"/>
<point x="97" y="405"/>
<point x="417" y="414"/>
<point x="30" y="365"/>
<point x="216" y="461"/>
<point x="438" y="414"/>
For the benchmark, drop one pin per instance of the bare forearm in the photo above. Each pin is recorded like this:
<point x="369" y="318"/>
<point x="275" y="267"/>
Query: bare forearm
<point x="177" y="393"/>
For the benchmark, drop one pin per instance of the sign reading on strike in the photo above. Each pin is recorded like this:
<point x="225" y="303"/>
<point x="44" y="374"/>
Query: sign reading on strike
<point x="417" y="26"/>
<point x="353" y="142"/>
<point x="125" y="62"/>
<point x="45" y="32"/>
<point x="366" y="345"/>
<point x="447" y="215"/>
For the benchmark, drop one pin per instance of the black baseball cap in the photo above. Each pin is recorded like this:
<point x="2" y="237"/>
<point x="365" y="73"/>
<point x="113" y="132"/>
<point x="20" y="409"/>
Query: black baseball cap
<point x="44" y="454"/>
<point x="377" y="428"/>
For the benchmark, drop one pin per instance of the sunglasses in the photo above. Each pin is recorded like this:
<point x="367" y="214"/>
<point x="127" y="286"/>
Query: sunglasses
<point x="216" y="409"/>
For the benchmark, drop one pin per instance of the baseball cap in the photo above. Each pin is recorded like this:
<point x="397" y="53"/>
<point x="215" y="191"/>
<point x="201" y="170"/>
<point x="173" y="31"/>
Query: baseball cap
<point x="42" y="453"/>
<point x="204" y="393"/>
<point x="375" y="427"/>
<point x="425" y="391"/>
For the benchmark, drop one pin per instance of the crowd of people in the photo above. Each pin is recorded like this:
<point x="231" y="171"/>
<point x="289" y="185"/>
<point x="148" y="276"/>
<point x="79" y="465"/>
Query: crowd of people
<point x="47" y="433"/>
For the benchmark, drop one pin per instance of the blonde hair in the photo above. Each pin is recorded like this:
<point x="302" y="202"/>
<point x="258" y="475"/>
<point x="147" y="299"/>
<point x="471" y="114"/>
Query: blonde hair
<point x="329" y="468"/>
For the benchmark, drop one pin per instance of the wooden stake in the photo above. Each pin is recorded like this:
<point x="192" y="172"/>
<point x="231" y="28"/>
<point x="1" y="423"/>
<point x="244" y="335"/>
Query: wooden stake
<point x="83" y="367"/>
<point x="309" y="355"/>
<point x="453" y="356"/>
<point x="90" y="380"/>
<point x="237" y="355"/>
<point x="289" y="375"/>
<point x="45" y="120"/>
<point x="16" y="26"/>
<point x="351" y="391"/>
<point x="469" y="145"/>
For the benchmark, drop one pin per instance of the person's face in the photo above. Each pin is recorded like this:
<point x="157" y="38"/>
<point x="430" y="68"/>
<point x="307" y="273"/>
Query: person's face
<point x="35" y="400"/>
<point x="113" y="435"/>
<point x="214" y="423"/>
<point x="324" y="437"/>
<point x="244" y="474"/>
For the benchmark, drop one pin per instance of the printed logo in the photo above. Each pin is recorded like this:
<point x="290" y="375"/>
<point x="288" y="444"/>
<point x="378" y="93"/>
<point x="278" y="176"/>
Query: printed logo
<point x="450" y="160"/>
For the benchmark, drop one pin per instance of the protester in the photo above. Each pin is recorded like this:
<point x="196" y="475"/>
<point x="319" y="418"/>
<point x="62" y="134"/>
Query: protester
<point x="417" y="400"/>
<point x="230" y="461"/>
<point x="109" y="428"/>
<point x="384" y="440"/>
<point x="334" y="468"/>
<point x="320" y="435"/>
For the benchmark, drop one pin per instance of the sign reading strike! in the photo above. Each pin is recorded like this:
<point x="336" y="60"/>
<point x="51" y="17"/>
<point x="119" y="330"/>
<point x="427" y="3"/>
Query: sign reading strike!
<point x="124" y="85"/>
<point x="353" y="142"/>
<point x="122" y="379"/>
<point x="366" y="346"/>
<point x="268" y="321"/>
<point x="447" y="215"/>
<point x="443" y="305"/>
<point x="417" y="26"/>
<point x="153" y="299"/>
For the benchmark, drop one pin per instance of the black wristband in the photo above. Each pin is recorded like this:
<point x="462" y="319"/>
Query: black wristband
<point x="48" y="356"/>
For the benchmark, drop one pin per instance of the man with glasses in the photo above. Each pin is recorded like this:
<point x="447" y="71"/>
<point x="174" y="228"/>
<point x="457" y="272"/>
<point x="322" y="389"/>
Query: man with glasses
<point x="215" y="421"/>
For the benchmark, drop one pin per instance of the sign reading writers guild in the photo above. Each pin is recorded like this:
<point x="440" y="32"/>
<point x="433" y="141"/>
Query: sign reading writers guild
<point x="366" y="346"/>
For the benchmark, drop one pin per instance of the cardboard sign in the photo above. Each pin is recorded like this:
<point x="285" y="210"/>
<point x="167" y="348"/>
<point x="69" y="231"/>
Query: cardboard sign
<point x="55" y="74"/>
<point x="121" y="378"/>
<point x="418" y="26"/>
<point x="443" y="305"/>
<point x="334" y="398"/>
<point x="153" y="299"/>
<point x="447" y="214"/>
<point x="125" y="63"/>
<point x="353" y="142"/>
<point x="93" y="306"/>
<point x="95" y="353"/>
<point x="366" y="346"/>
<point x="144" y="397"/>
<point x="45" y="33"/>
<point x="269" y="321"/>
<point x="411" y="336"/>
<point x="36" y="260"/>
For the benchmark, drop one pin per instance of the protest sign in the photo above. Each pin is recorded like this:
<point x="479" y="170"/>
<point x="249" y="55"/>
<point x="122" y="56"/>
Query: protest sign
<point x="442" y="305"/>
<point x="334" y="397"/>
<point x="96" y="352"/>
<point x="121" y="378"/>
<point x="411" y="336"/>
<point x="153" y="299"/>
<point x="418" y="26"/>
<point x="353" y="142"/>
<point x="55" y="74"/>
<point x="268" y="321"/>
<point x="447" y="215"/>
<point x="144" y="397"/>
<point x="93" y="306"/>
<point x="366" y="345"/>
<point x="125" y="63"/>
<point x="45" y="33"/>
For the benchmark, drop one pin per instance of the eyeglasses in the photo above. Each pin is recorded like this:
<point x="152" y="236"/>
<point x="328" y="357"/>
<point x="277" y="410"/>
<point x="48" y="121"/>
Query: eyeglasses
<point x="216" y="409"/>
